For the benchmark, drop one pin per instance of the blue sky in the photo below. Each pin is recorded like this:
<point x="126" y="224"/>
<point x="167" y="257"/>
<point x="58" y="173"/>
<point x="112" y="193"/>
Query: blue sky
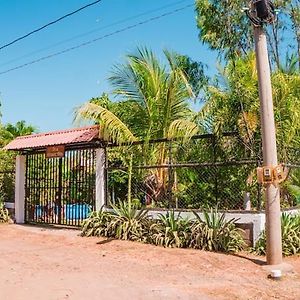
<point x="45" y="94"/>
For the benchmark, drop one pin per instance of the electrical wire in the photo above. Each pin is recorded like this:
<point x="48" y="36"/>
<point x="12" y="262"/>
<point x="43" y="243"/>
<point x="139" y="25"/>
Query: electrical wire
<point x="92" y="31"/>
<point x="99" y="38"/>
<point x="49" y="24"/>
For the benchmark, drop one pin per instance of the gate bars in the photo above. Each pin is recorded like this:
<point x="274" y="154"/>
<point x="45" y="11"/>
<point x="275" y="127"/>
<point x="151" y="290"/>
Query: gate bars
<point x="60" y="190"/>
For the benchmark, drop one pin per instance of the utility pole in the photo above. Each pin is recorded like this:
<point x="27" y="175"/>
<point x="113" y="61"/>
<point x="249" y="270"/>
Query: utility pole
<point x="272" y="193"/>
<point x="262" y="12"/>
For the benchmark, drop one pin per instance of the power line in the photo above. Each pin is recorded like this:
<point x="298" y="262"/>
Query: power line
<point x="49" y="24"/>
<point x="97" y="39"/>
<point x="94" y="30"/>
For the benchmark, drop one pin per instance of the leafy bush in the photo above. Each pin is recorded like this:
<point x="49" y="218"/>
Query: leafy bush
<point x="129" y="223"/>
<point x="214" y="233"/>
<point x="97" y="224"/>
<point x="125" y="222"/>
<point x="4" y="216"/>
<point x="170" y="231"/>
<point x="290" y="230"/>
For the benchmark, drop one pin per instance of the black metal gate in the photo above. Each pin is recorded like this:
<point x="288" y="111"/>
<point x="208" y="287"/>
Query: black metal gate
<point x="60" y="190"/>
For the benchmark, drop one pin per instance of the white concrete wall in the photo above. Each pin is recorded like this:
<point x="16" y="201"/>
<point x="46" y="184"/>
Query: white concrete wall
<point x="20" y="189"/>
<point x="257" y="219"/>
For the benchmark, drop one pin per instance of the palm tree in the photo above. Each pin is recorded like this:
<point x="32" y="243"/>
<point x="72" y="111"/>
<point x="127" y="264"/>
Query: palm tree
<point x="160" y="93"/>
<point x="159" y="96"/>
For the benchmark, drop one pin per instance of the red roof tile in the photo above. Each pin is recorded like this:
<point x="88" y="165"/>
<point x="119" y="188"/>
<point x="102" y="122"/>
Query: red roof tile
<point x="60" y="137"/>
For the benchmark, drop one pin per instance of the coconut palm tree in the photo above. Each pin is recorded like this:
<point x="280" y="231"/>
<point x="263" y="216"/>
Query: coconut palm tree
<point x="160" y="94"/>
<point x="158" y="97"/>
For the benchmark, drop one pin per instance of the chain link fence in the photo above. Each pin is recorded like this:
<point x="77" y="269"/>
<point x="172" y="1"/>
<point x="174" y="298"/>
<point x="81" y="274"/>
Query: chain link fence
<point x="206" y="171"/>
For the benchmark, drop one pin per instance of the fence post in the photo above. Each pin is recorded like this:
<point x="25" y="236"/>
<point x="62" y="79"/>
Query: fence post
<point x="20" y="189"/>
<point x="215" y="168"/>
<point x="100" y="178"/>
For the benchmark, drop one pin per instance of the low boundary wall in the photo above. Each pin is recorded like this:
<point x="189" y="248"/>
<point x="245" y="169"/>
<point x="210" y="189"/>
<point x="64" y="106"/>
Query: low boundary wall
<point x="252" y="222"/>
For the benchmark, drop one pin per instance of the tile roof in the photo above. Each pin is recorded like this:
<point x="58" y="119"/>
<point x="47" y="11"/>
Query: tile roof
<point x="60" y="137"/>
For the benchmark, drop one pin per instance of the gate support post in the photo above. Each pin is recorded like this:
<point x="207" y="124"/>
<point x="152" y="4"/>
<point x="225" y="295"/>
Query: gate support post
<point x="100" y="178"/>
<point x="20" y="189"/>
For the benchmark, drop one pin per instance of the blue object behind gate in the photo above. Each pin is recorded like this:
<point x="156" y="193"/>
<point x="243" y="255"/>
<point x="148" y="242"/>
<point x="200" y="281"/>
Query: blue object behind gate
<point x="77" y="211"/>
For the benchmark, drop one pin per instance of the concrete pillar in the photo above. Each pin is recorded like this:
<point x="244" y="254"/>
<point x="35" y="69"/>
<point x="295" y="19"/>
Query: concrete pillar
<point x="20" y="189"/>
<point x="100" y="178"/>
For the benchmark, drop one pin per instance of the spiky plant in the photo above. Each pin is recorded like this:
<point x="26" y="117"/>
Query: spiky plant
<point x="97" y="224"/>
<point x="290" y="230"/>
<point x="129" y="223"/>
<point x="4" y="216"/>
<point x="215" y="233"/>
<point x="170" y="230"/>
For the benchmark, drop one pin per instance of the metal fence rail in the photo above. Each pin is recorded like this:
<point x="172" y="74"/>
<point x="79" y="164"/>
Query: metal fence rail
<point x="206" y="171"/>
<point x="187" y="186"/>
<point x="203" y="172"/>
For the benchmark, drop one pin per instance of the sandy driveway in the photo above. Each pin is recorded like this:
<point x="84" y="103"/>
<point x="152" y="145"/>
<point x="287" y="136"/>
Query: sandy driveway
<point x="50" y="264"/>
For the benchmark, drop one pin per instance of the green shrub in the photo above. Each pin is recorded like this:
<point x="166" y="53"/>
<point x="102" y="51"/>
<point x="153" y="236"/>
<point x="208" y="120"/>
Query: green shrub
<point x="129" y="223"/>
<point x="125" y="222"/>
<point x="97" y="224"/>
<point x="214" y="233"/>
<point x="170" y="231"/>
<point x="4" y="216"/>
<point x="290" y="230"/>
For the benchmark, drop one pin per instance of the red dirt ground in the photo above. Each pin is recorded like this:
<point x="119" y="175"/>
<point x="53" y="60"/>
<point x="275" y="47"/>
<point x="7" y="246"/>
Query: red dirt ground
<point x="48" y="264"/>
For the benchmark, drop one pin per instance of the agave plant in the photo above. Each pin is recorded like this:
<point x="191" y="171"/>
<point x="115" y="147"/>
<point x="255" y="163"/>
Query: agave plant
<point x="291" y="188"/>
<point x="170" y="231"/>
<point x="215" y="233"/>
<point x="4" y="216"/>
<point x="128" y="222"/>
<point x="97" y="224"/>
<point x="290" y="230"/>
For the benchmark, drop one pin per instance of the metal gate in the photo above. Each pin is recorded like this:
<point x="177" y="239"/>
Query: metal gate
<point x="60" y="190"/>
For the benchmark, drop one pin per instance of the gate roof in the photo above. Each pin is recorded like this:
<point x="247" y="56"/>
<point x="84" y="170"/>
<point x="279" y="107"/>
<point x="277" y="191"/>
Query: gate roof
<point x="76" y="136"/>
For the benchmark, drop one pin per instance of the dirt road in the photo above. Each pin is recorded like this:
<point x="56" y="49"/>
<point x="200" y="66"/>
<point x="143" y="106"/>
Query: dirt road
<point x="46" y="264"/>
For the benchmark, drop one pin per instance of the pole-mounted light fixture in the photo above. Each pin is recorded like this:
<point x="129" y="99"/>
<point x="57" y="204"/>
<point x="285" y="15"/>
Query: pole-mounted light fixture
<point x="262" y="9"/>
<point x="261" y="12"/>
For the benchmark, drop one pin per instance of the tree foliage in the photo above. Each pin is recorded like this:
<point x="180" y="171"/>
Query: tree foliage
<point x="224" y="26"/>
<point x="233" y="104"/>
<point x="9" y="131"/>
<point x="158" y="96"/>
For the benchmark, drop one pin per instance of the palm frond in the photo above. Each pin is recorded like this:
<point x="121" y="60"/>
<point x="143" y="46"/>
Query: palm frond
<point x="111" y="127"/>
<point x="182" y="129"/>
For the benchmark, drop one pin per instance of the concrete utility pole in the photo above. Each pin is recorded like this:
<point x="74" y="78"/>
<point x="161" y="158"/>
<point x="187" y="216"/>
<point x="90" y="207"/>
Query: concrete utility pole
<point x="273" y="214"/>
<point x="262" y="12"/>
